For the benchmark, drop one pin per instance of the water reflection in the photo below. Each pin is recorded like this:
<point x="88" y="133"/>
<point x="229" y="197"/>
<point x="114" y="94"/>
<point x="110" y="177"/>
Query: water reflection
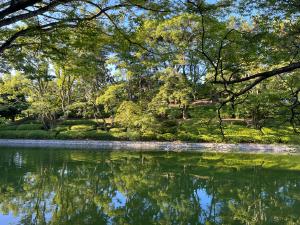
<point x="75" y="187"/>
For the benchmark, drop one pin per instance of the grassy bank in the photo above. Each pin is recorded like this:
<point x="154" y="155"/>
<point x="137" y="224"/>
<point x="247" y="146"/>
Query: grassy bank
<point x="200" y="127"/>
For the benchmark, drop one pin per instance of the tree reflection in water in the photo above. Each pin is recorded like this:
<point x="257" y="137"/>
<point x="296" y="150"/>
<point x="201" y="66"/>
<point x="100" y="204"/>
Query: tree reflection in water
<point x="80" y="187"/>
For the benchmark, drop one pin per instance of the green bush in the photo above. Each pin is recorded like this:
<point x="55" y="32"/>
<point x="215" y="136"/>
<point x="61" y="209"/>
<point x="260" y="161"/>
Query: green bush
<point x="169" y="123"/>
<point x="183" y="136"/>
<point x="25" y="134"/>
<point x="203" y="111"/>
<point x="172" y="130"/>
<point x="30" y="127"/>
<point x="166" y="137"/>
<point x="61" y="128"/>
<point x="127" y="136"/>
<point x="8" y="127"/>
<point x="129" y="115"/>
<point x="240" y="139"/>
<point x="149" y="136"/>
<point x="210" y="138"/>
<point x="82" y="127"/>
<point x="235" y="122"/>
<point x="93" y="135"/>
<point x="78" y="122"/>
<point x="169" y="126"/>
<point x="27" y="121"/>
<point x="133" y="135"/>
<point x="117" y="130"/>
<point x="270" y="139"/>
<point x="291" y="139"/>
<point x="123" y="136"/>
<point x="3" y="120"/>
<point x="76" y="135"/>
<point x="174" y="114"/>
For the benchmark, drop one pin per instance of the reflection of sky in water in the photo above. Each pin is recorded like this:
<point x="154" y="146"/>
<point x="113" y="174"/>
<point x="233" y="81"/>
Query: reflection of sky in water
<point x="205" y="205"/>
<point x="8" y="219"/>
<point x="205" y="199"/>
<point x="119" y="200"/>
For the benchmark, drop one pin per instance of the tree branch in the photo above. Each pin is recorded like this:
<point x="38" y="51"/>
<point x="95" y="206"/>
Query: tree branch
<point x="263" y="75"/>
<point x="31" y="14"/>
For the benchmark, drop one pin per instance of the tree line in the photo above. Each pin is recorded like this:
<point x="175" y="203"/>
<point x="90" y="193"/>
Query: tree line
<point x="135" y="61"/>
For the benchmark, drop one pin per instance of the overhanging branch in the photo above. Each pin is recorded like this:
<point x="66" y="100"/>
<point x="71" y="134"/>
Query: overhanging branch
<point x="263" y="75"/>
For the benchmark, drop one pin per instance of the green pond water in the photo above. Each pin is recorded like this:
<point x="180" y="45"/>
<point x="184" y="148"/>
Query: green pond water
<point x="52" y="186"/>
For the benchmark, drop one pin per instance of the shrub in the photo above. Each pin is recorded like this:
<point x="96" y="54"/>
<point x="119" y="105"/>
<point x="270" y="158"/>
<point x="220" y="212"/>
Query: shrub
<point x="32" y="134"/>
<point x="174" y="114"/>
<point x="148" y="123"/>
<point x="2" y="120"/>
<point x="166" y="137"/>
<point x="210" y="138"/>
<point x="129" y="135"/>
<point x="169" y="123"/>
<point x="61" y="128"/>
<point x="235" y="122"/>
<point x="76" y="135"/>
<point x="129" y="114"/>
<point x="172" y="130"/>
<point x="30" y="127"/>
<point x="120" y="136"/>
<point x="240" y="139"/>
<point x="183" y="136"/>
<point x="105" y="136"/>
<point x="117" y="130"/>
<point x="82" y="127"/>
<point x="78" y="122"/>
<point x="133" y="135"/>
<point x="27" y="120"/>
<point x="270" y="139"/>
<point x="149" y="136"/>
<point x="93" y="135"/>
<point x="169" y="126"/>
<point x="8" y="127"/>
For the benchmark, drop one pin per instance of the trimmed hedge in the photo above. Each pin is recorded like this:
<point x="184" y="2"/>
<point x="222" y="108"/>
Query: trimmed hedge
<point x="30" y="127"/>
<point x="25" y="134"/>
<point x="93" y="135"/>
<point x="82" y="127"/>
<point x="78" y="122"/>
<point x="191" y="130"/>
<point x="8" y="127"/>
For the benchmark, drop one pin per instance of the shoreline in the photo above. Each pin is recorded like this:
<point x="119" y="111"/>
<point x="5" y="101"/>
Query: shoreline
<point x="162" y="146"/>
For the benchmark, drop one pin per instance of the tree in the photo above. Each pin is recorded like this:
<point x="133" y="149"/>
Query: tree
<point x="174" y="90"/>
<point x="13" y="95"/>
<point x="38" y="17"/>
<point x="129" y="114"/>
<point x="43" y="92"/>
<point x="112" y="98"/>
<point x="247" y="42"/>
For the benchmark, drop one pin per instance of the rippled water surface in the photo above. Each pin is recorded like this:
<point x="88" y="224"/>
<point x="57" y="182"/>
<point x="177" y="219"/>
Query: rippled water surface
<point x="39" y="186"/>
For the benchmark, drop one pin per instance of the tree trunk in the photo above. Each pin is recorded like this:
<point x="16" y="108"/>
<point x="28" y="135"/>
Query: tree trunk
<point x="184" y="112"/>
<point x="233" y="116"/>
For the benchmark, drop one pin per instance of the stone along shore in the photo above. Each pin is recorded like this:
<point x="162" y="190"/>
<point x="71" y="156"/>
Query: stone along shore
<point x="163" y="146"/>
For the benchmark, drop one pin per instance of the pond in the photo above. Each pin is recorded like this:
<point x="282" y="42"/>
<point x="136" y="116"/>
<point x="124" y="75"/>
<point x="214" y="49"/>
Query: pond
<point x="54" y="186"/>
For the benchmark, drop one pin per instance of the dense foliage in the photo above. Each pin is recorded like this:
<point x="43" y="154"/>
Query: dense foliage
<point x="168" y="70"/>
